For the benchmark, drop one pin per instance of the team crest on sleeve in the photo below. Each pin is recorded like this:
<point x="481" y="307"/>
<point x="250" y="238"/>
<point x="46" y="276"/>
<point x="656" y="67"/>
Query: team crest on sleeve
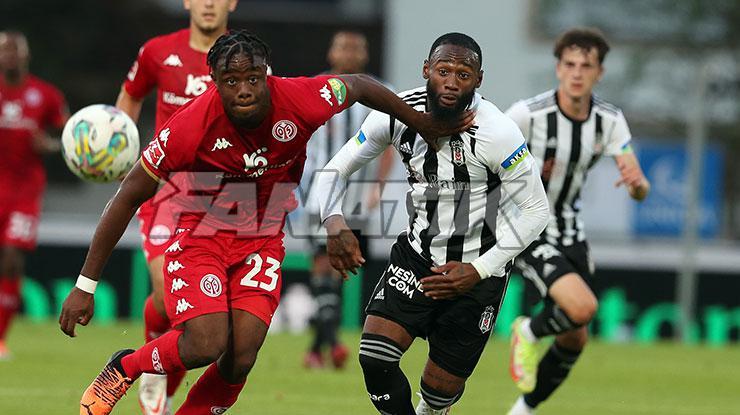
<point x="154" y="153"/>
<point x="284" y="130"/>
<point x="516" y="157"/>
<point x="359" y="137"/>
<point x="458" y="151"/>
<point x="338" y="89"/>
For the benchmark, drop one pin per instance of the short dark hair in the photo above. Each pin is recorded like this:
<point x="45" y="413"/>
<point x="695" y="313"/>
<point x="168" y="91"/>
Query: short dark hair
<point x="458" y="39"/>
<point x="584" y="38"/>
<point x="236" y="42"/>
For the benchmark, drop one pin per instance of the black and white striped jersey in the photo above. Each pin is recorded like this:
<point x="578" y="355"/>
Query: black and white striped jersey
<point x="565" y="149"/>
<point x="324" y="144"/>
<point x="457" y="196"/>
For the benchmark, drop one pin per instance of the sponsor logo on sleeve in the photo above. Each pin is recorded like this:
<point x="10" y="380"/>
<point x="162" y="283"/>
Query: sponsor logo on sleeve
<point x="338" y="89"/>
<point x="626" y="148"/>
<point x="516" y="157"/>
<point x="359" y="137"/>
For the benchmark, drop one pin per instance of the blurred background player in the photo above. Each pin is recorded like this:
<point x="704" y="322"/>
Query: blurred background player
<point x="29" y="110"/>
<point x="348" y="54"/>
<point x="568" y="130"/>
<point x="175" y="65"/>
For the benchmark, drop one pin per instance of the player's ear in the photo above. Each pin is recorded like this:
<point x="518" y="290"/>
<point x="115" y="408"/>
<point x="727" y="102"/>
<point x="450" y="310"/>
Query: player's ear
<point x="425" y="69"/>
<point x="186" y="4"/>
<point x="480" y="79"/>
<point x="232" y="5"/>
<point x="601" y="72"/>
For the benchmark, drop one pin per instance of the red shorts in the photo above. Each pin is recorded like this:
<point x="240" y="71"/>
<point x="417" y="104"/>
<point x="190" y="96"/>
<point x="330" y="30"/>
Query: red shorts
<point x="157" y="227"/>
<point x="204" y="275"/>
<point x="19" y="220"/>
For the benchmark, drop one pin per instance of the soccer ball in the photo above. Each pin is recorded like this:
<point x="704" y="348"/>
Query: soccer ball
<point x="100" y="143"/>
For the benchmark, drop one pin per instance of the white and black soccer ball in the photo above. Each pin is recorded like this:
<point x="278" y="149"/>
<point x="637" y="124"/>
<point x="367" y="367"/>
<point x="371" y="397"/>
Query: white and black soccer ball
<point x="100" y="143"/>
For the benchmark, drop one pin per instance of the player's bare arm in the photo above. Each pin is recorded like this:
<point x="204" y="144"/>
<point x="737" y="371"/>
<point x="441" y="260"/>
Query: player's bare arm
<point x="128" y="104"/>
<point x="632" y="176"/>
<point x="342" y="246"/>
<point x="371" y="93"/>
<point x="137" y="187"/>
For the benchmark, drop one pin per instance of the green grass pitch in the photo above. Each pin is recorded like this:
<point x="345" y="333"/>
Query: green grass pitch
<point x="49" y="371"/>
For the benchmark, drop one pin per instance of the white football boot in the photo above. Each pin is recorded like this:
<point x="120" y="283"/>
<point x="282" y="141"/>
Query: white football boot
<point x="520" y="408"/>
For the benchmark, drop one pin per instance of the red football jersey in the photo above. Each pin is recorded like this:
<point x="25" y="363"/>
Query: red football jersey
<point x="255" y="170"/>
<point x="25" y="109"/>
<point x="168" y="63"/>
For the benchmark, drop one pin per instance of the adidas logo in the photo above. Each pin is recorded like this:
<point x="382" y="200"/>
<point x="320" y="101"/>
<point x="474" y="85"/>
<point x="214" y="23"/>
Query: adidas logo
<point x="380" y="295"/>
<point x="405" y="148"/>
<point x="221" y="144"/>
<point x="552" y="142"/>
<point x="173" y="60"/>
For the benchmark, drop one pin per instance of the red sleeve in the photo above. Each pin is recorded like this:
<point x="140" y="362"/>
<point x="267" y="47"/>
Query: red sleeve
<point x="57" y="110"/>
<point x="171" y="150"/>
<point x="322" y="97"/>
<point x="142" y="77"/>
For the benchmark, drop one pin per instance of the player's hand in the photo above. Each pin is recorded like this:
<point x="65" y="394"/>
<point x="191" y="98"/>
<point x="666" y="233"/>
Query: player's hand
<point x="431" y="128"/>
<point x="78" y="308"/>
<point x="342" y="247"/>
<point x="632" y="177"/>
<point x="452" y="279"/>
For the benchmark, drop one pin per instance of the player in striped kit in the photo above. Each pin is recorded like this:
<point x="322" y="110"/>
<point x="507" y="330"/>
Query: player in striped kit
<point x="567" y="130"/>
<point x="448" y="271"/>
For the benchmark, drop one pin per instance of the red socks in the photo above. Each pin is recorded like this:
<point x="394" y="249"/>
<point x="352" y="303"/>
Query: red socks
<point x="10" y="299"/>
<point x="210" y="394"/>
<point x="160" y="355"/>
<point x="155" y="324"/>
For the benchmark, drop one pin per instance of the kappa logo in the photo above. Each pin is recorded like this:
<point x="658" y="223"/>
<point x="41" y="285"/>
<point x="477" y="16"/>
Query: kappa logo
<point x="211" y="285"/>
<point x="221" y="144"/>
<point x="182" y="306"/>
<point x="174" y="266"/>
<point x="156" y="362"/>
<point x="178" y="284"/>
<point x="486" y="319"/>
<point x="173" y="60"/>
<point x="284" y="130"/>
<point x="174" y="247"/>
<point x="326" y="94"/>
<point x="164" y="135"/>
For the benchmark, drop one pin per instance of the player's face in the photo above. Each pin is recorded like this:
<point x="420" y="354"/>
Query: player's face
<point x="209" y="15"/>
<point x="348" y="53"/>
<point x="453" y="74"/>
<point x="242" y="84"/>
<point x="578" y="70"/>
<point x="13" y="53"/>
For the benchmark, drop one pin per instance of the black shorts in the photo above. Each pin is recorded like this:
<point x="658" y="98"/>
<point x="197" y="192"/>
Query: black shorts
<point x="457" y="330"/>
<point x="542" y="263"/>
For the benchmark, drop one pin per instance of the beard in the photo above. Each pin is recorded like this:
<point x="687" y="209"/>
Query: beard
<point x="440" y="111"/>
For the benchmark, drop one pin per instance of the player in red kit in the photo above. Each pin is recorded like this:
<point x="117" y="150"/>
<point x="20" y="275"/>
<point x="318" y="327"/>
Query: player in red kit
<point x="175" y="65"/>
<point x="238" y="151"/>
<point x="29" y="108"/>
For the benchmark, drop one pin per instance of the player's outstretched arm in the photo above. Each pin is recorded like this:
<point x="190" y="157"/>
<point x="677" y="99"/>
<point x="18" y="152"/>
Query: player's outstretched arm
<point x="371" y="93"/>
<point x="137" y="187"/>
<point x="128" y="104"/>
<point x="632" y="176"/>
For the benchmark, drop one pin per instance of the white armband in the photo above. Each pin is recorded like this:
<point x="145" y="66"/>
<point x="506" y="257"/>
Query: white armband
<point x="86" y="284"/>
